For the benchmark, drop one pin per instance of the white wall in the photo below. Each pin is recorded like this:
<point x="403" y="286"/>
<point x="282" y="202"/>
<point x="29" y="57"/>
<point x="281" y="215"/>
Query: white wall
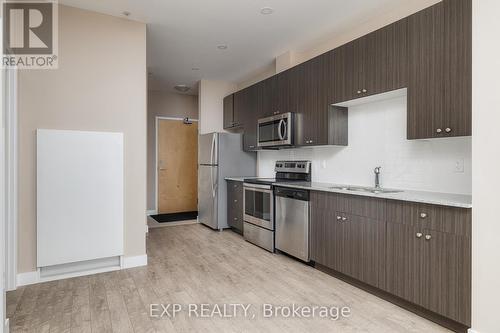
<point x="210" y="104"/>
<point x="486" y="172"/>
<point x="100" y="86"/>
<point x="377" y="137"/>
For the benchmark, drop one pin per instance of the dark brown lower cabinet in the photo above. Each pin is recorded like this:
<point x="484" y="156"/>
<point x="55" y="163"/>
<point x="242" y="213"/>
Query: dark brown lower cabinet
<point x="446" y="274"/>
<point x="351" y="244"/>
<point x="417" y="252"/>
<point x="235" y="205"/>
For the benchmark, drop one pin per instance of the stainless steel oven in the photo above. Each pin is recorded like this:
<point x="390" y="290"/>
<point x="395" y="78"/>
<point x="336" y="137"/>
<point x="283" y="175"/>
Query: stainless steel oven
<point x="276" y="131"/>
<point x="258" y="215"/>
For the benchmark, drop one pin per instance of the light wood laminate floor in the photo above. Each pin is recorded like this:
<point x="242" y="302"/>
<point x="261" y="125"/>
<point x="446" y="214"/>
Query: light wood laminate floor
<point x="193" y="264"/>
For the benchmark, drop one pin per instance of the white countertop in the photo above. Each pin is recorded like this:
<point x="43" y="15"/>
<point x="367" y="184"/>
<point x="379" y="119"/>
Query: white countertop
<point x="433" y="198"/>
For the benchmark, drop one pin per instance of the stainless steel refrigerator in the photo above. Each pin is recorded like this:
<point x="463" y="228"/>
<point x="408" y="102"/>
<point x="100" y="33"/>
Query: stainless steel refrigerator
<point x="220" y="155"/>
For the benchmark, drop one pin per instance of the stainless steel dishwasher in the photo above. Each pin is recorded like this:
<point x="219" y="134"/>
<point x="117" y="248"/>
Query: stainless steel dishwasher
<point x="292" y="222"/>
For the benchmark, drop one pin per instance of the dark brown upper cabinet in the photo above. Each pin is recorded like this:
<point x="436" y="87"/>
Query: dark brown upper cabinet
<point x="268" y="98"/>
<point x="229" y="114"/>
<point x="310" y="97"/>
<point x="439" y="86"/>
<point x="246" y="104"/>
<point x="372" y="64"/>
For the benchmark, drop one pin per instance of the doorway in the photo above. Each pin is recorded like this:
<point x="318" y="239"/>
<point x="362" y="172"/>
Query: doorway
<point x="177" y="170"/>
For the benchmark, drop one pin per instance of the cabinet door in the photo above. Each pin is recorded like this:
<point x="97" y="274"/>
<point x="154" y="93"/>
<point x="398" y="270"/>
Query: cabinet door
<point x="267" y="97"/>
<point x="327" y="232"/>
<point x="347" y="62"/>
<point x="425" y="70"/>
<point x="365" y="244"/>
<point x="228" y="111"/>
<point x="447" y="268"/>
<point x="314" y="101"/>
<point x="384" y="59"/>
<point x="404" y="273"/>
<point x="250" y="118"/>
<point x="458" y="67"/>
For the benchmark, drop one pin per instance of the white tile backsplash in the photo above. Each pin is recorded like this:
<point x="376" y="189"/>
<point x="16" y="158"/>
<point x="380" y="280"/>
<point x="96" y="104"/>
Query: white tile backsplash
<point x="377" y="137"/>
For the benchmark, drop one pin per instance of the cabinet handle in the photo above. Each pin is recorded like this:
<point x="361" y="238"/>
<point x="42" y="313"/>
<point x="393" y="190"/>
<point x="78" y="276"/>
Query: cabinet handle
<point x="251" y="147"/>
<point x="364" y="90"/>
<point x="359" y="92"/>
<point x="439" y="130"/>
<point x="339" y="218"/>
<point x="419" y="235"/>
<point x="235" y="186"/>
<point x="311" y="141"/>
<point x="235" y="200"/>
<point x="344" y="218"/>
<point x="428" y="237"/>
<point x="236" y="219"/>
<point x="447" y="130"/>
<point x="423" y="215"/>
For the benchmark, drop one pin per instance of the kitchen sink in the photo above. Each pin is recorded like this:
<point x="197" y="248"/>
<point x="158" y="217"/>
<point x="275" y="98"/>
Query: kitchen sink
<point x="365" y="189"/>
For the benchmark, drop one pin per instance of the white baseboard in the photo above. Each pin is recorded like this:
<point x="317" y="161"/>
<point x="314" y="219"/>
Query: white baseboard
<point x="137" y="261"/>
<point x="470" y="330"/>
<point x="24" y="279"/>
<point x="151" y="212"/>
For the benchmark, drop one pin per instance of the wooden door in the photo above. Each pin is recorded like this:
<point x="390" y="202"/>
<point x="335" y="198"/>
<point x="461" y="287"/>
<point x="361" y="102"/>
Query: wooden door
<point x="425" y="71"/>
<point x="177" y="166"/>
<point x="447" y="271"/>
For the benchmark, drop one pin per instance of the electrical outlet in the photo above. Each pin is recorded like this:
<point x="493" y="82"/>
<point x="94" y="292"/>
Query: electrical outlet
<point x="459" y="166"/>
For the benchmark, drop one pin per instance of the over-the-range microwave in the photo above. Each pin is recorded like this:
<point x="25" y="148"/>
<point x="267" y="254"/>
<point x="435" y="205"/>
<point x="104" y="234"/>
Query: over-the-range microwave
<point x="275" y="131"/>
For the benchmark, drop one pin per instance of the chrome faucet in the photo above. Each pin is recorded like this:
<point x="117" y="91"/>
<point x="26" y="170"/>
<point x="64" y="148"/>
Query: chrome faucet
<point x="377" y="176"/>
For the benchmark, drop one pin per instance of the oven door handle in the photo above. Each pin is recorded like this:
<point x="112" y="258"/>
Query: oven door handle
<point x="282" y="130"/>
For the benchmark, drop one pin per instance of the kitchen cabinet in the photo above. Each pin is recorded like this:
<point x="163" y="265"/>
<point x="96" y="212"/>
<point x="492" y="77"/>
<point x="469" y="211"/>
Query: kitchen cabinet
<point x="348" y="235"/>
<point x="429" y="257"/>
<point x="235" y="205"/>
<point x="246" y="105"/>
<point x="267" y="98"/>
<point x="440" y="83"/>
<point x="230" y="116"/>
<point x="372" y="64"/>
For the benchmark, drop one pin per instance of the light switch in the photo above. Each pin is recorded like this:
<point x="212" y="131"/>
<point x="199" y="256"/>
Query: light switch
<point x="459" y="166"/>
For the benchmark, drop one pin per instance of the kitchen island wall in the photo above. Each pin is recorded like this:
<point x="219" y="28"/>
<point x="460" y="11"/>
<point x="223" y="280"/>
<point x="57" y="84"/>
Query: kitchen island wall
<point x="377" y="137"/>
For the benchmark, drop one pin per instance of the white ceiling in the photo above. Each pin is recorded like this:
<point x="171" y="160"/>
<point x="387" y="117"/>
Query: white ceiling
<point x="184" y="34"/>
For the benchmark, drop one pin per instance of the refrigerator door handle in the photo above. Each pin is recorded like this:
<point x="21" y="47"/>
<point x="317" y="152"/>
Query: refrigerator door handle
<point x="212" y="149"/>
<point x="214" y="182"/>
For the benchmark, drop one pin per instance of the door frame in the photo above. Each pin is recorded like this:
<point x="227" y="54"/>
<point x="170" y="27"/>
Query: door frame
<point x="157" y="120"/>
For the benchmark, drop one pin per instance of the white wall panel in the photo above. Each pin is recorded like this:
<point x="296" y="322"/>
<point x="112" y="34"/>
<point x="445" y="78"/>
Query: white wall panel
<point x="79" y="196"/>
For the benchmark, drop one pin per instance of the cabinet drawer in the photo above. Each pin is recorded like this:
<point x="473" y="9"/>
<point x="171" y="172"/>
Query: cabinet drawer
<point x="439" y="218"/>
<point x="235" y="205"/>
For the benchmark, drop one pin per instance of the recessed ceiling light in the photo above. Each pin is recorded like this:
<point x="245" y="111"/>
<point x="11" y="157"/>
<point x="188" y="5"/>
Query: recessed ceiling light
<point x="126" y="13"/>
<point x="222" y="47"/>
<point x="182" y="88"/>
<point x="266" y="11"/>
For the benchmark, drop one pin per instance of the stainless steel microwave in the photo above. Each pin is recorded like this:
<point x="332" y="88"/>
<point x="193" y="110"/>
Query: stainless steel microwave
<point x="276" y="131"/>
